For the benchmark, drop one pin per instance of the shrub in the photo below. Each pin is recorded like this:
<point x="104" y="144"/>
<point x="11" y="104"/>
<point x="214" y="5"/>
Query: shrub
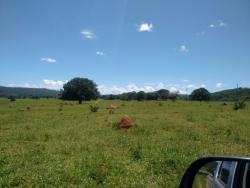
<point x="136" y="153"/>
<point x="239" y="104"/>
<point x="94" y="107"/>
<point x="12" y="98"/>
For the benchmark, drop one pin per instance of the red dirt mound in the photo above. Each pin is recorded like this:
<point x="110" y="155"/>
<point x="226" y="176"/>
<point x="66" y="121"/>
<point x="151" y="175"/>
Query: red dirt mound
<point x="126" y="122"/>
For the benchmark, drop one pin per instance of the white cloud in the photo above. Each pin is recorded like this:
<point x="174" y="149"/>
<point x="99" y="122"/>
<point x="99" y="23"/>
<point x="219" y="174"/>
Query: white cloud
<point x="217" y="24"/>
<point x="129" y="88"/>
<point x="103" y="89"/>
<point x="160" y="86"/>
<point x="211" y="25"/>
<point x="100" y="53"/>
<point x="185" y="80"/>
<point x="133" y="87"/>
<point x="49" y="84"/>
<point x="54" y="84"/>
<point x="145" y="27"/>
<point x="203" y="85"/>
<point x="183" y="48"/>
<point x="218" y="85"/>
<point x="88" y="34"/>
<point x="148" y="89"/>
<point x="48" y="60"/>
<point x="191" y="86"/>
<point x="221" y="23"/>
<point x="173" y="89"/>
<point x="112" y="90"/>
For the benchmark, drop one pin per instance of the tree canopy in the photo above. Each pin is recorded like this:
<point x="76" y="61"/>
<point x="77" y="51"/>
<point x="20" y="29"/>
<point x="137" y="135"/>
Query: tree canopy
<point x="80" y="89"/>
<point x="140" y="95"/>
<point x="200" y="94"/>
<point x="163" y="94"/>
<point x="151" y="96"/>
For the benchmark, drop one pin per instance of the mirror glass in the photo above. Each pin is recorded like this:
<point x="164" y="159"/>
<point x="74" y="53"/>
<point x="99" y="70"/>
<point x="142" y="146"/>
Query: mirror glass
<point x="221" y="174"/>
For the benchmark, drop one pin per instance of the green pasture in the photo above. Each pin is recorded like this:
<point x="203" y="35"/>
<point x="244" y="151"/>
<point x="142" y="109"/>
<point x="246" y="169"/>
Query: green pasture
<point x="58" y="143"/>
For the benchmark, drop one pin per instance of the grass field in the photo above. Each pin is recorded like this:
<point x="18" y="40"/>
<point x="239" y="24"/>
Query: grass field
<point x="62" y="144"/>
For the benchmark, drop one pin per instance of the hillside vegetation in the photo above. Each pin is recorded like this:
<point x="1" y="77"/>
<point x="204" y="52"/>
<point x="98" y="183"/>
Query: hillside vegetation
<point x="53" y="143"/>
<point x="27" y="92"/>
<point x="231" y="94"/>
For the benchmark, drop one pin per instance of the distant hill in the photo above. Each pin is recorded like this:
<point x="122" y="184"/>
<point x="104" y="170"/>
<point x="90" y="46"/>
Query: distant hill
<point x="231" y="94"/>
<point x="27" y="92"/>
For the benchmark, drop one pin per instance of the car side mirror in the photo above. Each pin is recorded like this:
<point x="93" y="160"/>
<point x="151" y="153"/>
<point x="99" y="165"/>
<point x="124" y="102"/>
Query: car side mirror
<point x="216" y="172"/>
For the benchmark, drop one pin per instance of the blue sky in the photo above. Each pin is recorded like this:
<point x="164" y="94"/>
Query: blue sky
<point x="126" y="45"/>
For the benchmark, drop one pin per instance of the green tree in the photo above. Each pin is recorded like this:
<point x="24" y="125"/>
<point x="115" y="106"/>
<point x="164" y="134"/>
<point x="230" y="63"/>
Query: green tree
<point x="151" y="96"/>
<point x="140" y="96"/>
<point x="131" y="95"/>
<point x="163" y="94"/>
<point x="80" y="89"/>
<point x="200" y="94"/>
<point x="124" y="96"/>
<point x="173" y="96"/>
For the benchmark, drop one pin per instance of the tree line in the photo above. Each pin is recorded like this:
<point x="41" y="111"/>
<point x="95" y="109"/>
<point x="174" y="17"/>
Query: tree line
<point x="162" y="94"/>
<point x="84" y="89"/>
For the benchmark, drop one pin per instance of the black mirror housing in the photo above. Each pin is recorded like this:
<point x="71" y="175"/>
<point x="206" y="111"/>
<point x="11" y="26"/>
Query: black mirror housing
<point x="189" y="175"/>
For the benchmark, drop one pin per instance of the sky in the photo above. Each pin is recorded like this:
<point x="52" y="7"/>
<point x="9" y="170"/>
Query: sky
<point x="126" y="45"/>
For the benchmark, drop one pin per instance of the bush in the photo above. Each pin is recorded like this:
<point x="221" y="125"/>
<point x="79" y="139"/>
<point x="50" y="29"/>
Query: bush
<point x="239" y="104"/>
<point x="94" y="107"/>
<point x="12" y="98"/>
